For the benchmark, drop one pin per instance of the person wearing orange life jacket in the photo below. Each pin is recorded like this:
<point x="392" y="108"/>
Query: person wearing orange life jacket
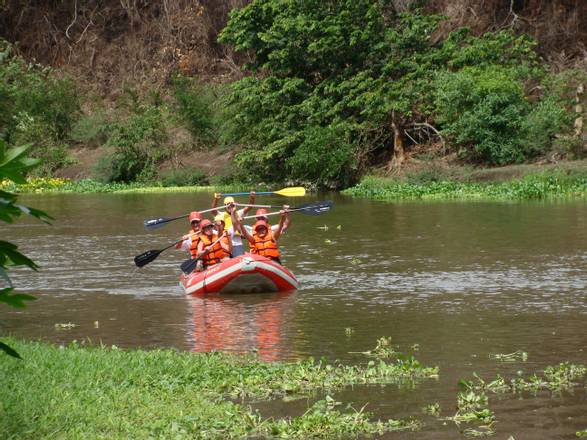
<point x="192" y="238"/>
<point x="263" y="241"/>
<point x="261" y="214"/>
<point x="235" y="235"/>
<point x="211" y="250"/>
<point x="226" y="241"/>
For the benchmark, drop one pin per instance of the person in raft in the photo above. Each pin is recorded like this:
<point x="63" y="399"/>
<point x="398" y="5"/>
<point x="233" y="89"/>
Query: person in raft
<point x="261" y="214"/>
<point x="192" y="238"/>
<point x="226" y="239"/>
<point x="263" y="241"/>
<point x="235" y="235"/>
<point x="211" y="248"/>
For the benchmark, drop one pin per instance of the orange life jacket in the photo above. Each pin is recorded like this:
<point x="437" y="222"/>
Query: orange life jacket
<point x="215" y="253"/>
<point x="194" y="246"/>
<point x="226" y="241"/>
<point x="266" y="246"/>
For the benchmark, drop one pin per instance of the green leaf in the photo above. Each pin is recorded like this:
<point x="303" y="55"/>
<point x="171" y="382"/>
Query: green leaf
<point x="17" y="300"/>
<point x="9" y="350"/>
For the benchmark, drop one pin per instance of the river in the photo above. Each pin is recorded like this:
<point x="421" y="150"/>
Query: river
<point x="451" y="283"/>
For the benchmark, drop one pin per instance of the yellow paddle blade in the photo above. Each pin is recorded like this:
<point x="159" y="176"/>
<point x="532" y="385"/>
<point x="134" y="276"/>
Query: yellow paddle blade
<point x="294" y="191"/>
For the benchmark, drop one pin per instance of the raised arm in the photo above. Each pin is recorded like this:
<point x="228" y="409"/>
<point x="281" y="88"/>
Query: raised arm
<point x="287" y="219"/>
<point x="237" y="224"/>
<point x="252" y="197"/>
<point x="215" y="203"/>
<point x="282" y="221"/>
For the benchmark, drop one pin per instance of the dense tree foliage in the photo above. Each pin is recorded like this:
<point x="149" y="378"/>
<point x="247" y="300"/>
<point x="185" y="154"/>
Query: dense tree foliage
<point x="330" y="83"/>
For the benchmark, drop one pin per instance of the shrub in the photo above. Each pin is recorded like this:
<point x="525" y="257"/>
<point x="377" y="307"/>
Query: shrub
<point x="137" y="147"/>
<point x="325" y="157"/>
<point x="184" y="177"/>
<point x="194" y="105"/>
<point x="36" y="107"/>
<point x="91" y="131"/>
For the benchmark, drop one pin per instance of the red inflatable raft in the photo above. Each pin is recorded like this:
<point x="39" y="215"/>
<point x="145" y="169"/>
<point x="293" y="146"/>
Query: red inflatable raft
<point x="248" y="273"/>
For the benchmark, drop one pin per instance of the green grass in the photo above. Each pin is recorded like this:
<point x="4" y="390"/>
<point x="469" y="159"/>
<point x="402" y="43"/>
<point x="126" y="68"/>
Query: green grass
<point x="547" y="185"/>
<point x="106" y="393"/>
<point x="57" y="185"/>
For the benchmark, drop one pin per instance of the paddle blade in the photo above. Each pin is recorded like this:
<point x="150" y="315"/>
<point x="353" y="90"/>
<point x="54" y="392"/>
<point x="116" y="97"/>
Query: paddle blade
<point x="146" y="257"/>
<point x="155" y="223"/>
<point x="188" y="266"/>
<point x="294" y="191"/>
<point x="315" y="208"/>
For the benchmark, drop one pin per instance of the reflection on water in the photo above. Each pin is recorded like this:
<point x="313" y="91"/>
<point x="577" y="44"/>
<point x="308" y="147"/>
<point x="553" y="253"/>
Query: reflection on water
<point x="462" y="280"/>
<point x="254" y="324"/>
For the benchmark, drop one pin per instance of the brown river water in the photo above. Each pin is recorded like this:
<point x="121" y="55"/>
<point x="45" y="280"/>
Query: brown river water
<point x="461" y="280"/>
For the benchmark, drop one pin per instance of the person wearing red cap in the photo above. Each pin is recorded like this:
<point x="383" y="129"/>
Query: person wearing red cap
<point x="263" y="240"/>
<point x="192" y="238"/>
<point x="211" y="249"/>
<point x="261" y="214"/>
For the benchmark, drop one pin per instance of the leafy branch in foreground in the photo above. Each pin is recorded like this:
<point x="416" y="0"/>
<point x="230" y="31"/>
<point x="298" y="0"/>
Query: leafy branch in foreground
<point x="13" y="166"/>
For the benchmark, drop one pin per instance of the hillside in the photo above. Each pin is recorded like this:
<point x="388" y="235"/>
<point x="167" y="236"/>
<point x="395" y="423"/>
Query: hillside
<point x="113" y="48"/>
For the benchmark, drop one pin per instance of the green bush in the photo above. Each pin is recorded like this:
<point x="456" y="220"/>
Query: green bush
<point x="486" y="113"/>
<point x="36" y="107"/>
<point x="325" y="157"/>
<point x="138" y="146"/>
<point x="184" y="177"/>
<point x="194" y="105"/>
<point x="91" y="130"/>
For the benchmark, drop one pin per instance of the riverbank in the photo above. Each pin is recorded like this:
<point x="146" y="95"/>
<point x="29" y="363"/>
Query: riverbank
<point x="105" y="392"/>
<point x="42" y="185"/>
<point x="552" y="184"/>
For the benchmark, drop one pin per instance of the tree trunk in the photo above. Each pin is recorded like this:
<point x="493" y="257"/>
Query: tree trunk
<point x="579" y="111"/>
<point x="398" y="147"/>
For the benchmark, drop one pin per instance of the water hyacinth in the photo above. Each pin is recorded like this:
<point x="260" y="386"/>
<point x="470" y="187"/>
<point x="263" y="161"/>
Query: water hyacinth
<point x="171" y="394"/>
<point x="532" y="187"/>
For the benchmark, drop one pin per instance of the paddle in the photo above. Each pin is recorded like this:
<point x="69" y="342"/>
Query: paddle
<point x="146" y="257"/>
<point x="311" y="209"/>
<point x="188" y="266"/>
<point x="294" y="191"/>
<point x="156" y="223"/>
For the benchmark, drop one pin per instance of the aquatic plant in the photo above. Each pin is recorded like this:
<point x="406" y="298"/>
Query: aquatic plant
<point x="383" y="350"/>
<point x="532" y="187"/>
<point x="59" y="185"/>
<point x="165" y="393"/>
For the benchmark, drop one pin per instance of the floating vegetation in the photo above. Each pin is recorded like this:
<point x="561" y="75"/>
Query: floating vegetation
<point x="581" y="433"/>
<point x="433" y="409"/>
<point x="510" y="357"/>
<point x="324" y="228"/>
<point x="171" y="394"/>
<point x="536" y="186"/>
<point x="383" y="349"/>
<point x="59" y="185"/>
<point x="327" y="241"/>
<point x="349" y="331"/>
<point x="355" y="261"/>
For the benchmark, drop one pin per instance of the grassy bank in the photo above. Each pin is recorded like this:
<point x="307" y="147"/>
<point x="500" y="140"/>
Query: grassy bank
<point x="106" y="393"/>
<point x="59" y="185"/>
<point x="98" y="392"/>
<point x="546" y="185"/>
